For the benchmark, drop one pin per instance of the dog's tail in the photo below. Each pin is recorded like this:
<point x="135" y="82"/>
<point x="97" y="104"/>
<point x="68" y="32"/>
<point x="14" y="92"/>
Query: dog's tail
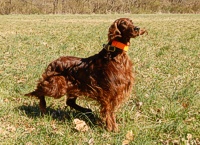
<point x="34" y="93"/>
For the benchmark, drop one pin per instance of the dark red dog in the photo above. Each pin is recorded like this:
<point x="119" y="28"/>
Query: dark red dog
<point x="106" y="77"/>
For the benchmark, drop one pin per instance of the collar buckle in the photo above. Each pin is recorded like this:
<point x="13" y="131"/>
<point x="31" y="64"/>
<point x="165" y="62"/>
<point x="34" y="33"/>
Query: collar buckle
<point x="109" y="48"/>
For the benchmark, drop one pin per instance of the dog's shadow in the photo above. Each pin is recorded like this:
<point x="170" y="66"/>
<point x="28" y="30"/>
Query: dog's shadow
<point x="65" y="114"/>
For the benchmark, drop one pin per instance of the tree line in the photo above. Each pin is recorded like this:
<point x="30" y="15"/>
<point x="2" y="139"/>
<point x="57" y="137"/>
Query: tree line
<point x="98" y="7"/>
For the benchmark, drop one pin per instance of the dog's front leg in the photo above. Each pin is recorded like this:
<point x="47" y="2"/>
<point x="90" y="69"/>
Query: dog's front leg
<point x="108" y="116"/>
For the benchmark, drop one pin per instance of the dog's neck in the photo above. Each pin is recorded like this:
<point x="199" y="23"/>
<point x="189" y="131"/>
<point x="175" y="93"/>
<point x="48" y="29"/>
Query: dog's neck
<point x="120" y="45"/>
<point x="124" y="40"/>
<point x="114" y="48"/>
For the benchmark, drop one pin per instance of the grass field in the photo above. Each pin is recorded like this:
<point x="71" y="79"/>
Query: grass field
<point x="164" y="107"/>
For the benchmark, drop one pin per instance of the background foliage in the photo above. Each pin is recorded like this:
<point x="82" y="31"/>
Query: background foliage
<point x="98" y="7"/>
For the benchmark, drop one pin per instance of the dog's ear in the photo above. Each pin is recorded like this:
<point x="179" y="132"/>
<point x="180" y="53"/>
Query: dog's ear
<point x="113" y="32"/>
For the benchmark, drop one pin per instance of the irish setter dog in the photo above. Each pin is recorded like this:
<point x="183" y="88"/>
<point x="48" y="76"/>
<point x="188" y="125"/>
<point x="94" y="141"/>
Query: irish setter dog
<point x="106" y="77"/>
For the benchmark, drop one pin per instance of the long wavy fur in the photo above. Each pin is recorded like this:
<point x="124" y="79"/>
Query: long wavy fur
<point x="106" y="77"/>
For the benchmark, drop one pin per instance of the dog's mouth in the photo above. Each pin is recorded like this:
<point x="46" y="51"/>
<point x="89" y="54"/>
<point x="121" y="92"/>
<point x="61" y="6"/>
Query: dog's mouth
<point x="143" y="31"/>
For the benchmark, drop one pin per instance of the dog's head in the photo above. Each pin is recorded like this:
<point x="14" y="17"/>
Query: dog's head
<point x="123" y="29"/>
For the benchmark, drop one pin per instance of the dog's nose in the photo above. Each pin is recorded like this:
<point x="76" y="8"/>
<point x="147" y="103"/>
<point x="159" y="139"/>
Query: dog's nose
<point x="136" y="28"/>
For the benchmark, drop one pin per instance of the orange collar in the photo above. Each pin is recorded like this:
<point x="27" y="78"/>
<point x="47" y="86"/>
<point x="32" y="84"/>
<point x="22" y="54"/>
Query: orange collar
<point x="120" y="45"/>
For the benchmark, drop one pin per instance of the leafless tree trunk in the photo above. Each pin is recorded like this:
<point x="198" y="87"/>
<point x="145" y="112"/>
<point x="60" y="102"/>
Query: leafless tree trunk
<point x="63" y="6"/>
<point x="55" y="6"/>
<point x="10" y="6"/>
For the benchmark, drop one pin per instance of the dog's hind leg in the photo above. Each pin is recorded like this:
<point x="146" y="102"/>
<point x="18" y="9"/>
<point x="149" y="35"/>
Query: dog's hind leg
<point x="40" y="96"/>
<point x="71" y="101"/>
<point x="42" y="104"/>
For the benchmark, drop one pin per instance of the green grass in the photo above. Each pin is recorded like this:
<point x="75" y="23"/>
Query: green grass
<point x="164" y="107"/>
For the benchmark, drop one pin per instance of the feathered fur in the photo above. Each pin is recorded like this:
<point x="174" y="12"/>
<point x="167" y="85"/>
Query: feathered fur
<point x="106" y="77"/>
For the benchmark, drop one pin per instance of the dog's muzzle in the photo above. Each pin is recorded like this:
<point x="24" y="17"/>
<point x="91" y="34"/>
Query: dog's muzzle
<point x="136" y="28"/>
